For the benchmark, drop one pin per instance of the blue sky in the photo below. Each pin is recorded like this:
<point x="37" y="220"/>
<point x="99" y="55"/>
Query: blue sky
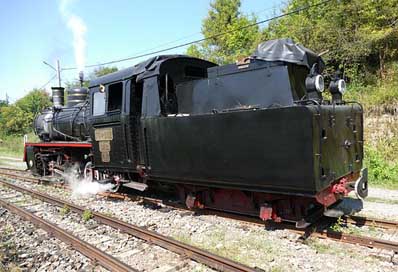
<point x="35" y="31"/>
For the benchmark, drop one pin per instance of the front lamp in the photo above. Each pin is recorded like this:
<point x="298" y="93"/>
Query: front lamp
<point x="315" y="83"/>
<point x="337" y="86"/>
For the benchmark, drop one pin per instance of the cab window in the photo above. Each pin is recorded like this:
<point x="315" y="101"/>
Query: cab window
<point x="115" y="96"/>
<point x="98" y="103"/>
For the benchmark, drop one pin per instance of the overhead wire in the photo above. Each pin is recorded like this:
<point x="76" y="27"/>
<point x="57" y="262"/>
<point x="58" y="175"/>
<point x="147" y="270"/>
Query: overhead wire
<point x="44" y="85"/>
<point x="298" y="10"/>
<point x="274" y="7"/>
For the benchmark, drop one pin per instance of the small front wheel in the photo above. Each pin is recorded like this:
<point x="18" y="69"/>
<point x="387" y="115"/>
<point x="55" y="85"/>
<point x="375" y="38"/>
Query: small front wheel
<point x="88" y="171"/>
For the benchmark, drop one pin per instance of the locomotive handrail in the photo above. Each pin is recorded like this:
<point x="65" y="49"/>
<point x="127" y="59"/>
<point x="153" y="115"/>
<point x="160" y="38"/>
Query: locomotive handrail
<point x="307" y="100"/>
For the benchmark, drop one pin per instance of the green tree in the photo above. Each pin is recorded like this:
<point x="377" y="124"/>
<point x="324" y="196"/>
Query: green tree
<point x="18" y="117"/>
<point x="103" y="70"/>
<point x="15" y="120"/>
<point x="34" y="102"/>
<point x="3" y="103"/>
<point x="224" y="17"/>
<point x="359" y="35"/>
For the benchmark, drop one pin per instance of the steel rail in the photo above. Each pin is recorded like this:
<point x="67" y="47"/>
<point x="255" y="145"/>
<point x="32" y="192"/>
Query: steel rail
<point x="373" y="222"/>
<point x="194" y="253"/>
<point x="84" y="248"/>
<point x="320" y="233"/>
<point x="357" y="239"/>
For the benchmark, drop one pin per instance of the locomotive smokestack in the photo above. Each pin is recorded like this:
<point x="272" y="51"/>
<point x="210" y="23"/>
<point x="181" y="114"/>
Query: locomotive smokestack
<point x="77" y="95"/>
<point x="81" y="78"/>
<point x="58" y="96"/>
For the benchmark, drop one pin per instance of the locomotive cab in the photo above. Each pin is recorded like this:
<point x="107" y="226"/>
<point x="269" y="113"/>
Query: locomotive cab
<point x="121" y="100"/>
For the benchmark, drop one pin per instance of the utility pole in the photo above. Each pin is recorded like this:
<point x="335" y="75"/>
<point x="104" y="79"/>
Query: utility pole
<point x="59" y="74"/>
<point x="58" y="70"/>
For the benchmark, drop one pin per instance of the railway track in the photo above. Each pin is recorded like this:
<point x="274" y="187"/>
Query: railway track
<point x="186" y="251"/>
<point x="102" y="258"/>
<point x="321" y="230"/>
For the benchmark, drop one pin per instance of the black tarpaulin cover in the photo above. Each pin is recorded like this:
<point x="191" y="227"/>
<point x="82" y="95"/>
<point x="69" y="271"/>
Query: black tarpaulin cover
<point x="288" y="51"/>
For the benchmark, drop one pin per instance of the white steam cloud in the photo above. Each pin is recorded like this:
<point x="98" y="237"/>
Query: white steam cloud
<point x="78" y="28"/>
<point x="83" y="187"/>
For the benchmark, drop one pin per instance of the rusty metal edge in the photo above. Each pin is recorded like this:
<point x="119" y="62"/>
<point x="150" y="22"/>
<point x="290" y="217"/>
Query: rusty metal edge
<point x="374" y="222"/>
<point x="194" y="253"/>
<point x="357" y="239"/>
<point x="84" y="248"/>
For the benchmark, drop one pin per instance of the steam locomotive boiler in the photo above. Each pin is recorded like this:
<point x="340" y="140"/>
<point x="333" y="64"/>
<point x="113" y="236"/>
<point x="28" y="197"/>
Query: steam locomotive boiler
<point x="255" y="137"/>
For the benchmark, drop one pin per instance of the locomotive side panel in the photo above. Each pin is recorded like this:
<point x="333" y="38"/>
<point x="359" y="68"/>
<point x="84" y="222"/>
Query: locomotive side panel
<point x="341" y="142"/>
<point x="265" y="150"/>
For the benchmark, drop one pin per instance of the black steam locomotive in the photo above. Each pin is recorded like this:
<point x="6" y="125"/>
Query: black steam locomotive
<point x="255" y="137"/>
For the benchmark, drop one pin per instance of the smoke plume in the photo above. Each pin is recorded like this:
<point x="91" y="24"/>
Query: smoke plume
<point x="78" y="28"/>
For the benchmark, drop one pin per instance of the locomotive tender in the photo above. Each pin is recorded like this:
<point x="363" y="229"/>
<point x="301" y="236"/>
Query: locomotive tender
<point x="255" y="137"/>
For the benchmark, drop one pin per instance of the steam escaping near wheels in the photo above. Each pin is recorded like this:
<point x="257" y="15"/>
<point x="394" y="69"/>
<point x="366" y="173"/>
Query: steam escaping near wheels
<point x="83" y="185"/>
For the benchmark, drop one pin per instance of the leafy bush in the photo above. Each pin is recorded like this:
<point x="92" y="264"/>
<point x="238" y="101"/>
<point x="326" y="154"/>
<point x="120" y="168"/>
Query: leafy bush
<point x="381" y="171"/>
<point x="381" y="95"/>
<point x="17" y="118"/>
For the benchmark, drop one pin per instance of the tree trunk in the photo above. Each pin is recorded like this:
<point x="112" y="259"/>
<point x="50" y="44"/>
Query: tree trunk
<point x="382" y="69"/>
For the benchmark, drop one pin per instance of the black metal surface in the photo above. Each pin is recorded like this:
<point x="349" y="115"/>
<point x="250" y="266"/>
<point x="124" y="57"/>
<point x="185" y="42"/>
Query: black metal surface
<point x="258" y="85"/>
<point x="63" y="124"/>
<point x="250" y="150"/>
<point x="76" y="96"/>
<point x="58" y="94"/>
<point x="288" y="51"/>
<point x="145" y="69"/>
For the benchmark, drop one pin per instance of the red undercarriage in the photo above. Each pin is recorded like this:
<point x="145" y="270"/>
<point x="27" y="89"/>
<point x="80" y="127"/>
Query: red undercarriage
<point x="54" y="145"/>
<point x="276" y="207"/>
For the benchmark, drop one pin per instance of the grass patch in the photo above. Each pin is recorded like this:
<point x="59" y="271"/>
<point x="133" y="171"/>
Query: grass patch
<point x="12" y="145"/>
<point x="247" y="249"/>
<point x="341" y="226"/>
<point x="319" y="247"/>
<point x="338" y="226"/>
<point x="87" y="215"/>
<point x="329" y="248"/>
<point x="64" y="210"/>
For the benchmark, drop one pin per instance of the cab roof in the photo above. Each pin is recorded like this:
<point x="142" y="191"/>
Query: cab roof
<point x="146" y="69"/>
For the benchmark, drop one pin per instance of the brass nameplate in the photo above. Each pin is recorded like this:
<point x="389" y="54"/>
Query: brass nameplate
<point x="105" y="157"/>
<point x="104" y="146"/>
<point x="103" y="134"/>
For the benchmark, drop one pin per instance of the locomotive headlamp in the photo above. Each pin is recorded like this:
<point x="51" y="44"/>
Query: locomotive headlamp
<point x="341" y="86"/>
<point x="319" y="83"/>
<point x="337" y="88"/>
<point x="315" y="83"/>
